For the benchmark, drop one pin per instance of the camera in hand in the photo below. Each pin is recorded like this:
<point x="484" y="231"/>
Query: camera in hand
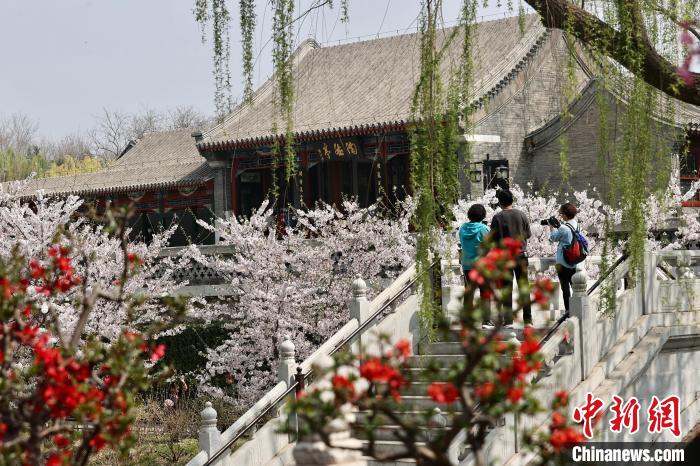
<point x="550" y="221"/>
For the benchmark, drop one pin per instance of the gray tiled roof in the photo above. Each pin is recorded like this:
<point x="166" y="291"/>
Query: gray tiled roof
<point x="371" y="83"/>
<point x="158" y="160"/>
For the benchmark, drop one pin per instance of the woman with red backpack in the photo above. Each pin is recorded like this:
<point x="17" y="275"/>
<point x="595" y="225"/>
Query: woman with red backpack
<point x="571" y="248"/>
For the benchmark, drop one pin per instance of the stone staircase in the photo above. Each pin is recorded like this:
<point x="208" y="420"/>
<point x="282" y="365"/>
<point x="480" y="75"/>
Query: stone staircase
<point x="430" y="417"/>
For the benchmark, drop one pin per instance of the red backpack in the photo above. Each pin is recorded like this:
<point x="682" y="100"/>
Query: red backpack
<point x="577" y="251"/>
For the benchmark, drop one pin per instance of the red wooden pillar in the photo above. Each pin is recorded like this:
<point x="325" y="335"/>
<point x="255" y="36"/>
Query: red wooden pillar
<point x="234" y="188"/>
<point x="305" y="181"/>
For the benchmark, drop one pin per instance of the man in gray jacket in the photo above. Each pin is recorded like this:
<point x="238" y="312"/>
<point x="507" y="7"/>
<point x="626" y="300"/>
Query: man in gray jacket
<point x="513" y="223"/>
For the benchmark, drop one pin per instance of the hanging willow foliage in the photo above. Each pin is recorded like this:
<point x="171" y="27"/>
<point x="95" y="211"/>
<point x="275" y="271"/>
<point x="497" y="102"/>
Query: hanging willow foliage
<point x="283" y="46"/>
<point x="247" y="23"/>
<point x="216" y="12"/>
<point x="436" y="112"/>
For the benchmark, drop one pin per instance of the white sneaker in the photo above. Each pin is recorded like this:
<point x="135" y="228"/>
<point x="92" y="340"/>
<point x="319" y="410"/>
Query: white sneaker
<point x="508" y="326"/>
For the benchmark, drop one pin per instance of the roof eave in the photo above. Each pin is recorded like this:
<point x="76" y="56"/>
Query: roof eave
<point x="302" y="136"/>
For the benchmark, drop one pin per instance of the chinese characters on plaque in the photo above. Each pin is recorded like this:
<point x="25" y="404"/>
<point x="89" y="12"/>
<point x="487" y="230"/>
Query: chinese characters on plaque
<point x="340" y="149"/>
<point x="661" y="414"/>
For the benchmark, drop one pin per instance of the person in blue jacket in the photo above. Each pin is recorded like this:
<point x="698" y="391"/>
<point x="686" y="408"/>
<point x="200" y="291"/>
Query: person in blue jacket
<point x="471" y="234"/>
<point x="563" y="235"/>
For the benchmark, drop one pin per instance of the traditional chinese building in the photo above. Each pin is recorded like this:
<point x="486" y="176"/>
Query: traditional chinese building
<point x="352" y="104"/>
<point x="162" y="175"/>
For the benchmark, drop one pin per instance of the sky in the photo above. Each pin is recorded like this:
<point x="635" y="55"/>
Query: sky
<point x="63" y="61"/>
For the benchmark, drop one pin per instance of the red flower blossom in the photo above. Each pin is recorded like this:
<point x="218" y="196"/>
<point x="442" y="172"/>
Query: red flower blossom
<point x="514" y="394"/>
<point x="484" y="390"/>
<point x="403" y="347"/>
<point x="37" y="271"/>
<point x="64" y="264"/>
<point x="565" y="437"/>
<point x="158" y="353"/>
<point x="520" y="367"/>
<point x="536" y="366"/>
<point x="476" y="277"/>
<point x="376" y="371"/>
<point x="529" y="347"/>
<point x="495" y="255"/>
<point x="443" y="392"/>
<point x="341" y="383"/>
<point x="558" y="420"/>
<point x="539" y="297"/>
<point x="500" y="347"/>
<point x="562" y="397"/>
<point x="97" y="442"/>
<point x="505" y="376"/>
<point x="60" y="441"/>
<point x="513" y="245"/>
<point x="54" y="460"/>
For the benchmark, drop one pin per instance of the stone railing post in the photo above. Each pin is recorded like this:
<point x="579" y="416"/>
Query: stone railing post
<point x="451" y="285"/>
<point x="580" y="308"/>
<point x="359" y="308"/>
<point x="209" y="435"/>
<point x="286" y="372"/>
<point x="287" y="365"/>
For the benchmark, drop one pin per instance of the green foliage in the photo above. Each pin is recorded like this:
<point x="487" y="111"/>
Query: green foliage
<point x="74" y="166"/>
<point x="16" y="166"/>
<point x="283" y="42"/>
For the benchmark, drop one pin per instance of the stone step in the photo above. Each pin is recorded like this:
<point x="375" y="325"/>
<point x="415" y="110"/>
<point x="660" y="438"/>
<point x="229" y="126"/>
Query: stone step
<point x="373" y="462"/>
<point x="440" y="347"/>
<point x="387" y="432"/>
<point x="418" y="402"/>
<point x="416" y="417"/>
<point x="435" y="360"/>
<point x="505" y="333"/>
<point x="418" y="387"/>
<point x="389" y="447"/>
<point x="422" y="374"/>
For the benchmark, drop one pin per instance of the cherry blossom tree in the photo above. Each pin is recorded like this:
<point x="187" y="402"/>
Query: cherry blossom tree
<point x="52" y="380"/>
<point x="298" y="282"/>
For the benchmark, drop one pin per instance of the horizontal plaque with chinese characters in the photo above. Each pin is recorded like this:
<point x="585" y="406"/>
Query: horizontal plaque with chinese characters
<point x="338" y="149"/>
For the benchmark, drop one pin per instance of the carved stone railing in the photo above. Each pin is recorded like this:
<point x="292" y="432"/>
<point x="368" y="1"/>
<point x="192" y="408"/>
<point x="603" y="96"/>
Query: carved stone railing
<point x="201" y="280"/>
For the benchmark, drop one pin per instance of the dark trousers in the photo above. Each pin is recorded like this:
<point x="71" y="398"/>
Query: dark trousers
<point x="520" y="275"/>
<point x="565" y="274"/>
<point x="470" y="288"/>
